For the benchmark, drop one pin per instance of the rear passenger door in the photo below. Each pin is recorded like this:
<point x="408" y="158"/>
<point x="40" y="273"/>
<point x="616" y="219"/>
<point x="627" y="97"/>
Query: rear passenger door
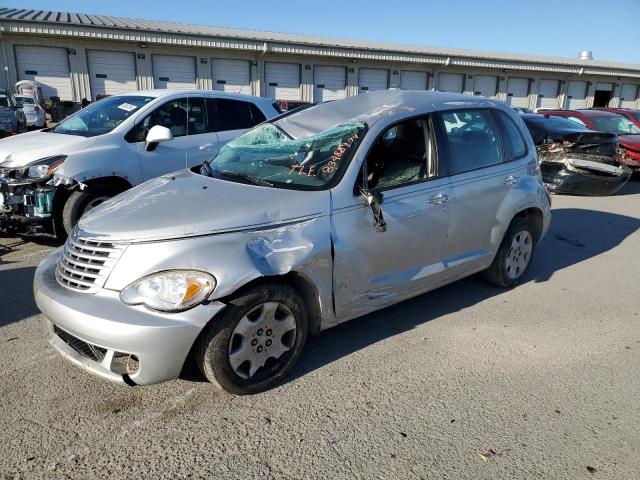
<point x="232" y="117"/>
<point x="481" y="178"/>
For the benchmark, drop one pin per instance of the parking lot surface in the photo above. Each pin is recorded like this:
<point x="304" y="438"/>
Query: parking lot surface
<point x="466" y="382"/>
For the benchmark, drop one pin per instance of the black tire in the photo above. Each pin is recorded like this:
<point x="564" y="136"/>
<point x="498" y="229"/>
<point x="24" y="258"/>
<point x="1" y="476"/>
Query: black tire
<point x="75" y="206"/>
<point x="212" y="350"/>
<point x="496" y="274"/>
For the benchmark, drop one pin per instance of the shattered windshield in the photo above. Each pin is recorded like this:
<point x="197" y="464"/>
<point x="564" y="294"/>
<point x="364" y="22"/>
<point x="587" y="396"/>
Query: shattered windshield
<point x="101" y="117"/>
<point x="268" y="156"/>
<point x="619" y="124"/>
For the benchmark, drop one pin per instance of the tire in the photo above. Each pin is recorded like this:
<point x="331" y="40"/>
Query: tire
<point x="78" y="203"/>
<point x="506" y="272"/>
<point x="226" y="334"/>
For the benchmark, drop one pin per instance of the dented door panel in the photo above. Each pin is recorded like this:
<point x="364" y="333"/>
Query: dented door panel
<point x="375" y="268"/>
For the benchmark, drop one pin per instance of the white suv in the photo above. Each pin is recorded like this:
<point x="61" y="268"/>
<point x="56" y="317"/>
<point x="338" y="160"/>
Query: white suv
<point x="52" y="176"/>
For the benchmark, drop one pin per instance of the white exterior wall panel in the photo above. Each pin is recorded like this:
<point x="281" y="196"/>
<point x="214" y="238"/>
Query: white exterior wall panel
<point x="230" y="75"/>
<point x="518" y="92"/>
<point x="628" y="95"/>
<point x="547" y="94"/>
<point x="371" y="79"/>
<point x="414" y="80"/>
<point x="111" y="73"/>
<point x="174" y="71"/>
<point x="47" y="65"/>
<point x="451" y="82"/>
<point x="329" y="83"/>
<point x="486" y="85"/>
<point x="282" y="81"/>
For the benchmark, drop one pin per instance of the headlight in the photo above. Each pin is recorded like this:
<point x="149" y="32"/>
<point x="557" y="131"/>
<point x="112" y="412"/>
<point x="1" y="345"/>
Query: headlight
<point x="44" y="167"/>
<point x="170" y="290"/>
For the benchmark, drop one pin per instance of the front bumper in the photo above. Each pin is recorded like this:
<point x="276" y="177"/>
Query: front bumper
<point x="160" y="341"/>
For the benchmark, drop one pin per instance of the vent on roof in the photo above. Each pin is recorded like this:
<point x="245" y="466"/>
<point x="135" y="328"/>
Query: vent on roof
<point x="586" y="55"/>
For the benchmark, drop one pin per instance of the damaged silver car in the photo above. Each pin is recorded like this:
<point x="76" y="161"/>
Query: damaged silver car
<point x="575" y="159"/>
<point x="304" y="222"/>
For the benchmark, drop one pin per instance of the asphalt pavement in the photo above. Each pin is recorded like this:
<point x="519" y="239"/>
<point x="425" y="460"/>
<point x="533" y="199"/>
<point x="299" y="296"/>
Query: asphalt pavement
<point x="466" y="382"/>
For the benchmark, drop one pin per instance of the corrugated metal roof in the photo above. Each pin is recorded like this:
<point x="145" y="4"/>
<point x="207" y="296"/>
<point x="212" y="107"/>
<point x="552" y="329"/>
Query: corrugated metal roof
<point x="141" y="25"/>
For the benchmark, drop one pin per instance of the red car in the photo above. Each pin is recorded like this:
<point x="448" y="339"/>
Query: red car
<point x="610" y="122"/>
<point x="633" y="115"/>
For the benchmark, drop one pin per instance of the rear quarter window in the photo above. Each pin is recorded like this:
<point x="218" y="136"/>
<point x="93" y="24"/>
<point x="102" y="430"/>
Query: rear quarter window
<point x="514" y="143"/>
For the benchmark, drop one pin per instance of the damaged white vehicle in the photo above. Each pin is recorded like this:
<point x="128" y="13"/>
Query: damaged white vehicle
<point x="300" y="224"/>
<point x="51" y="177"/>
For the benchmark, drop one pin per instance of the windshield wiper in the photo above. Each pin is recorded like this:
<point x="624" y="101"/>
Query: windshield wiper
<point x="248" y="178"/>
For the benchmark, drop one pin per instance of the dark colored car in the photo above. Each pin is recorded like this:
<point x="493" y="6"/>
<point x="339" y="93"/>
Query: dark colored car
<point x="574" y="159"/>
<point x="605" y="121"/>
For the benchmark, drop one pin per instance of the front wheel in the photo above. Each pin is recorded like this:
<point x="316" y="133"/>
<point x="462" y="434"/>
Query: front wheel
<point x="255" y="341"/>
<point x="514" y="255"/>
<point x="79" y="203"/>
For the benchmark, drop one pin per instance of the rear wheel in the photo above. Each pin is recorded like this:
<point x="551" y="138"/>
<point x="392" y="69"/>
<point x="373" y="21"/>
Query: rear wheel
<point x="255" y="341"/>
<point x="514" y="255"/>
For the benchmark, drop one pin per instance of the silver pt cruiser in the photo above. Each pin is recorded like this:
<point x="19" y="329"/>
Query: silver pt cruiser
<point x="300" y="224"/>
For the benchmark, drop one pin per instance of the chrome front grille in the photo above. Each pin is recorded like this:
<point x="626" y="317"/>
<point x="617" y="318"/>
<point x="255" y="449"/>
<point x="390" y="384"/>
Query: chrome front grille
<point x="85" y="264"/>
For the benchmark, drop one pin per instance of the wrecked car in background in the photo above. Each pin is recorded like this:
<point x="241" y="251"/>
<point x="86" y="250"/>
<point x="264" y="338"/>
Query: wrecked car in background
<point x="51" y="177"/>
<point x="575" y="159"/>
<point x="304" y="222"/>
<point x="611" y="122"/>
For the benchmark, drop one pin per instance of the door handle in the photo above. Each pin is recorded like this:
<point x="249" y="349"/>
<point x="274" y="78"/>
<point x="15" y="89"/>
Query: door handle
<point x="439" y="199"/>
<point x="207" y="146"/>
<point x="511" y="180"/>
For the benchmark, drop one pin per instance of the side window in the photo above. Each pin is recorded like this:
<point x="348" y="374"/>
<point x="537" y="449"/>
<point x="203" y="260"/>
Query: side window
<point x="577" y="120"/>
<point x="182" y="116"/>
<point x="402" y="154"/>
<point x="473" y="138"/>
<point x="235" y="115"/>
<point x="514" y="143"/>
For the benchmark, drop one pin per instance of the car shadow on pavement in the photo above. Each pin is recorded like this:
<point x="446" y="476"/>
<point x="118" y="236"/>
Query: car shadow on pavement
<point x="574" y="236"/>
<point x="632" y="187"/>
<point x="16" y="295"/>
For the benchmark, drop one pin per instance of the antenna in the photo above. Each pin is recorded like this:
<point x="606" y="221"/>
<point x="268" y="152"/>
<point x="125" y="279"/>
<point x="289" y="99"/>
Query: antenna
<point x="186" y="142"/>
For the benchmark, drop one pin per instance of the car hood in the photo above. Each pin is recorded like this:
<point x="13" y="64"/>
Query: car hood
<point x="186" y="204"/>
<point x="20" y="150"/>
<point x="630" y="141"/>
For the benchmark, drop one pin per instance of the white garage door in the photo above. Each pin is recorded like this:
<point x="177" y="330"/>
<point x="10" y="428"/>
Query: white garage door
<point x="412" y="80"/>
<point x="486" y="85"/>
<point x="174" y="71"/>
<point x="547" y="94"/>
<point x="607" y="87"/>
<point x="231" y="75"/>
<point x="518" y="92"/>
<point x="576" y="95"/>
<point x="111" y="73"/>
<point x="329" y="83"/>
<point x="370" y="79"/>
<point x="47" y="65"/>
<point x="451" y="82"/>
<point x="282" y="81"/>
<point x="628" y="95"/>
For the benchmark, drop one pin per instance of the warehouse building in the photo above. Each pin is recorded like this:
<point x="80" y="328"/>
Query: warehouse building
<point x="77" y="56"/>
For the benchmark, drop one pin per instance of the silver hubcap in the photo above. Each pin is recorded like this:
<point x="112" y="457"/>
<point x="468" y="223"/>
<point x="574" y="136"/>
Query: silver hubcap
<point x="265" y="332"/>
<point x="519" y="254"/>
<point x="95" y="202"/>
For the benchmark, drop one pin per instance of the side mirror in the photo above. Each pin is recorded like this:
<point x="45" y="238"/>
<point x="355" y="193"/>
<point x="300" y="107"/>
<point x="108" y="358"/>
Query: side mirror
<point x="156" y="135"/>
<point x="372" y="199"/>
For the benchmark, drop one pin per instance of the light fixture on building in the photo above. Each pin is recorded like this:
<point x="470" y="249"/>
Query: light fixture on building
<point x="143" y="45"/>
<point x="203" y="60"/>
<point x="71" y="51"/>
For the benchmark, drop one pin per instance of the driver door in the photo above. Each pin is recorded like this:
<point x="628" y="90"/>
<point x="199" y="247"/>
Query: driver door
<point x="194" y="141"/>
<point x="374" y="268"/>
